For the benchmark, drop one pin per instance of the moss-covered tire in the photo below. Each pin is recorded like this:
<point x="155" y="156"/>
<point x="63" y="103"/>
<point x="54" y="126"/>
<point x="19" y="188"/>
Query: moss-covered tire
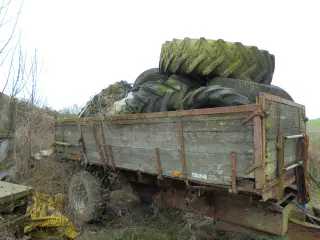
<point x="214" y="96"/>
<point x="159" y="96"/>
<point x="102" y="101"/>
<point x="249" y="89"/>
<point x="150" y="75"/>
<point x="86" y="197"/>
<point x="216" y="58"/>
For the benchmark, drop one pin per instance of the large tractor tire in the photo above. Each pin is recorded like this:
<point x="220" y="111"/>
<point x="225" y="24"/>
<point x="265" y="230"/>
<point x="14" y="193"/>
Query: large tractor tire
<point x="214" y="96"/>
<point x="86" y="197"/>
<point x="179" y="93"/>
<point x="216" y="58"/>
<point x="249" y="89"/>
<point x="160" y="96"/>
<point x="150" y="75"/>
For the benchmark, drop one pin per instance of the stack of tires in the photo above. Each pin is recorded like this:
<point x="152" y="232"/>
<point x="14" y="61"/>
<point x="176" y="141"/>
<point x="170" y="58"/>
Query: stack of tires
<point x="201" y="73"/>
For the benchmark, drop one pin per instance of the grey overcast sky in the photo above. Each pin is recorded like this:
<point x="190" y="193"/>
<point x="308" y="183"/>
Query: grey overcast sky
<point x="87" y="45"/>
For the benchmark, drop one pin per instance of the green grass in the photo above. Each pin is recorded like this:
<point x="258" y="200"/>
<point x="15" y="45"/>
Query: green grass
<point x="313" y="130"/>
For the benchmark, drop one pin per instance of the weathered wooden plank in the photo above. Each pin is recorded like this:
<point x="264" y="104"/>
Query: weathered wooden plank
<point x="218" y="164"/>
<point x="221" y="147"/>
<point x="217" y="167"/>
<point x="215" y="117"/>
<point x="193" y="112"/>
<point x="282" y="124"/>
<point x="11" y="191"/>
<point x="274" y="109"/>
<point x="285" y="120"/>
<point x="192" y="126"/>
<point x="219" y="137"/>
<point x="271" y="167"/>
<point x="142" y="136"/>
<point x="290" y="147"/>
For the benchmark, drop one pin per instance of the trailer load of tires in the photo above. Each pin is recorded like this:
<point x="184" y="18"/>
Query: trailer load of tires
<point x="193" y="74"/>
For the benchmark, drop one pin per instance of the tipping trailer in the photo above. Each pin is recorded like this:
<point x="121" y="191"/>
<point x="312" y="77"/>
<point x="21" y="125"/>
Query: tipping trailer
<point x="246" y="165"/>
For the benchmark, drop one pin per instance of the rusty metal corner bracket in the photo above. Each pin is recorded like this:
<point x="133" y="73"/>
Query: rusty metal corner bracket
<point x="260" y="113"/>
<point x="251" y="169"/>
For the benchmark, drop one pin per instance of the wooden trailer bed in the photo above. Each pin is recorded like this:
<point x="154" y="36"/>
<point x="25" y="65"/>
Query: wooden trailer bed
<point x="238" y="148"/>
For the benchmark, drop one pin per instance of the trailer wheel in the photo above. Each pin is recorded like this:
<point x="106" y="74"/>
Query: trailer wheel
<point x="86" y="197"/>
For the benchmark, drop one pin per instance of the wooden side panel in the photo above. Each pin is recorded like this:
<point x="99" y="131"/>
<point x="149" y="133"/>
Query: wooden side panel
<point x="209" y="141"/>
<point x="286" y="120"/>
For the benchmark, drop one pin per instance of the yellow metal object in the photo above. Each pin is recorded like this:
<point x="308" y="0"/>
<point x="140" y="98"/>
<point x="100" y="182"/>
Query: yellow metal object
<point x="45" y="212"/>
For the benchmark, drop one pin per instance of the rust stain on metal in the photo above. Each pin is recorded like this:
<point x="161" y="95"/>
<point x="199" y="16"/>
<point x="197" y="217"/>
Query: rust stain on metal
<point x="299" y="232"/>
<point x="259" y="172"/>
<point x="183" y="159"/>
<point x="98" y="146"/>
<point x="111" y="157"/>
<point x="159" y="164"/>
<point x="254" y="114"/>
<point x="262" y="103"/>
<point x="234" y="209"/>
<point x="104" y="144"/>
<point x="302" y="177"/>
<point x="280" y="147"/>
<point x="306" y="151"/>
<point x="273" y="189"/>
<point x="252" y="168"/>
<point x="234" y="172"/>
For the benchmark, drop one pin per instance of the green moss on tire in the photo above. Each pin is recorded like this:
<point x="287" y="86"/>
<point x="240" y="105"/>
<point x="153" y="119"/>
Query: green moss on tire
<point x="250" y="89"/>
<point x="216" y="58"/>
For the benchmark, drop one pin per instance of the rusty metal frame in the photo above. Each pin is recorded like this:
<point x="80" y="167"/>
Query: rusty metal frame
<point x="111" y="157"/>
<point x="159" y="164"/>
<point x="258" y="148"/>
<point x="234" y="209"/>
<point x="98" y="146"/>
<point x="234" y="173"/>
<point x="104" y="144"/>
<point x="182" y="152"/>
<point x="280" y="147"/>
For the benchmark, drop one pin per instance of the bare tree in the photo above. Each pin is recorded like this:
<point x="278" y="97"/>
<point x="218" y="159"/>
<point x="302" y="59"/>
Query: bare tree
<point x="20" y="81"/>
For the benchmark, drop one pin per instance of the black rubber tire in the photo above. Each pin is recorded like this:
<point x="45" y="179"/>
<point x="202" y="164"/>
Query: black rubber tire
<point x="86" y="190"/>
<point x="150" y="75"/>
<point x="160" y="97"/>
<point x="249" y="89"/>
<point x="214" y="96"/>
<point x="216" y="58"/>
